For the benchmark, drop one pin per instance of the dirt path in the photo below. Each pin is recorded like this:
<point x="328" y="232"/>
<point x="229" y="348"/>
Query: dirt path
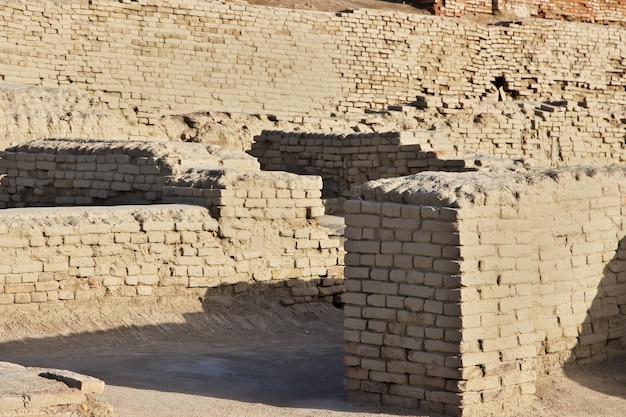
<point x="249" y="358"/>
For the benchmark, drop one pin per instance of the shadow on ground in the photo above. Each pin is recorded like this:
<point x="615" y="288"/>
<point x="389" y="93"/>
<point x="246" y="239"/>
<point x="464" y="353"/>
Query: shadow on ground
<point x="246" y="348"/>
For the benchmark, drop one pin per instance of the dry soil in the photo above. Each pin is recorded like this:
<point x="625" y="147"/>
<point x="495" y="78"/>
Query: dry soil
<point x="243" y="355"/>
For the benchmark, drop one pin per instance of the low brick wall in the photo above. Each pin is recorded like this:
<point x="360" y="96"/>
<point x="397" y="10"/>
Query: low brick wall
<point x="68" y="172"/>
<point x="550" y="134"/>
<point x="83" y="254"/>
<point x="258" y="227"/>
<point x="462" y="288"/>
<point x="90" y="253"/>
<point x="344" y="160"/>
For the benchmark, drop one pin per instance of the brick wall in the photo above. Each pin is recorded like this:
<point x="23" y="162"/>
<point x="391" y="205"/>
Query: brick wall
<point x="85" y="254"/>
<point x="457" y="8"/>
<point x="57" y="172"/>
<point x="346" y="160"/>
<point x="607" y="11"/>
<point x="264" y="227"/>
<point x="548" y="134"/>
<point x="154" y="57"/>
<point x="402" y="316"/>
<point x="462" y="288"/>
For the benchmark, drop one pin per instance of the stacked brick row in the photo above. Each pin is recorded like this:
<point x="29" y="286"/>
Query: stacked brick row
<point x="149" y="58"/>
<point x="527" y="271"/>
<point x="53" y="255"/>
<point x="345" y="160"/>
<point x="267" y="228"/>
<point x="458" y="8"/>
<point x="247" y="194"/>
<point x="67" y="180"/>
<point x="269" y="214"/>
<point x="60" y="172"/>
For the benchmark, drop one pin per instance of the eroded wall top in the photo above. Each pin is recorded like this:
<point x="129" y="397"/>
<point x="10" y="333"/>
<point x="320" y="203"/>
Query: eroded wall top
<point x="496" y="185"/>
<point x="606" y="11"/>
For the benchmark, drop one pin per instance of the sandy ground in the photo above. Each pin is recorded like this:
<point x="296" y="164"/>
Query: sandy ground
<point x="245" y="356"/>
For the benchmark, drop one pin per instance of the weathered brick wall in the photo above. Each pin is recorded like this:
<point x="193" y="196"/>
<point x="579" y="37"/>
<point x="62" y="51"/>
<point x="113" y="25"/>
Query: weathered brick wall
<point x="57" y="172"/>
<point x="462" y="288"/>
<point x="264" y="226"/>
<point x="545" y="134"/>
<point x="86" y="254"/>
<point x="154" y="57"/>
<point x="459" y="8"/>
<point x="606" y="11"/>
<point x="346" y="160"/>
<point x="551" y="134"/>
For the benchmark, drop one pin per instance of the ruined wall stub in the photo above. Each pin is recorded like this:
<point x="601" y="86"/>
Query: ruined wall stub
<point x="345" y="160"/>
<point x="462" y="288"/>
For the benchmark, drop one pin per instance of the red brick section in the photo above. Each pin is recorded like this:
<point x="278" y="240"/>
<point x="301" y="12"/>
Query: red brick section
<point x="595" y="11"/>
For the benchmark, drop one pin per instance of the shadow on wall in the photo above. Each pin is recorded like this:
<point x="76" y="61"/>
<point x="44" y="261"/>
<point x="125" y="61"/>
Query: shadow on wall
<point x="602" y="335"/>
<point x="243" y="347"/>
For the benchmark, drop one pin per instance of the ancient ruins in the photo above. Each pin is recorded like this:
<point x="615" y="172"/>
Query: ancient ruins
<point x="156" y="149"/>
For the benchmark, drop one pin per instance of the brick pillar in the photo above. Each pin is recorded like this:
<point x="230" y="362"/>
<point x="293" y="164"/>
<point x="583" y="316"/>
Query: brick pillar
<point x="403" y="324"/>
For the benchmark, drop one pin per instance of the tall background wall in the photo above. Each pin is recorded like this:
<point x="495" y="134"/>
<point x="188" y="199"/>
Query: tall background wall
<point x="154" y="57"/>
